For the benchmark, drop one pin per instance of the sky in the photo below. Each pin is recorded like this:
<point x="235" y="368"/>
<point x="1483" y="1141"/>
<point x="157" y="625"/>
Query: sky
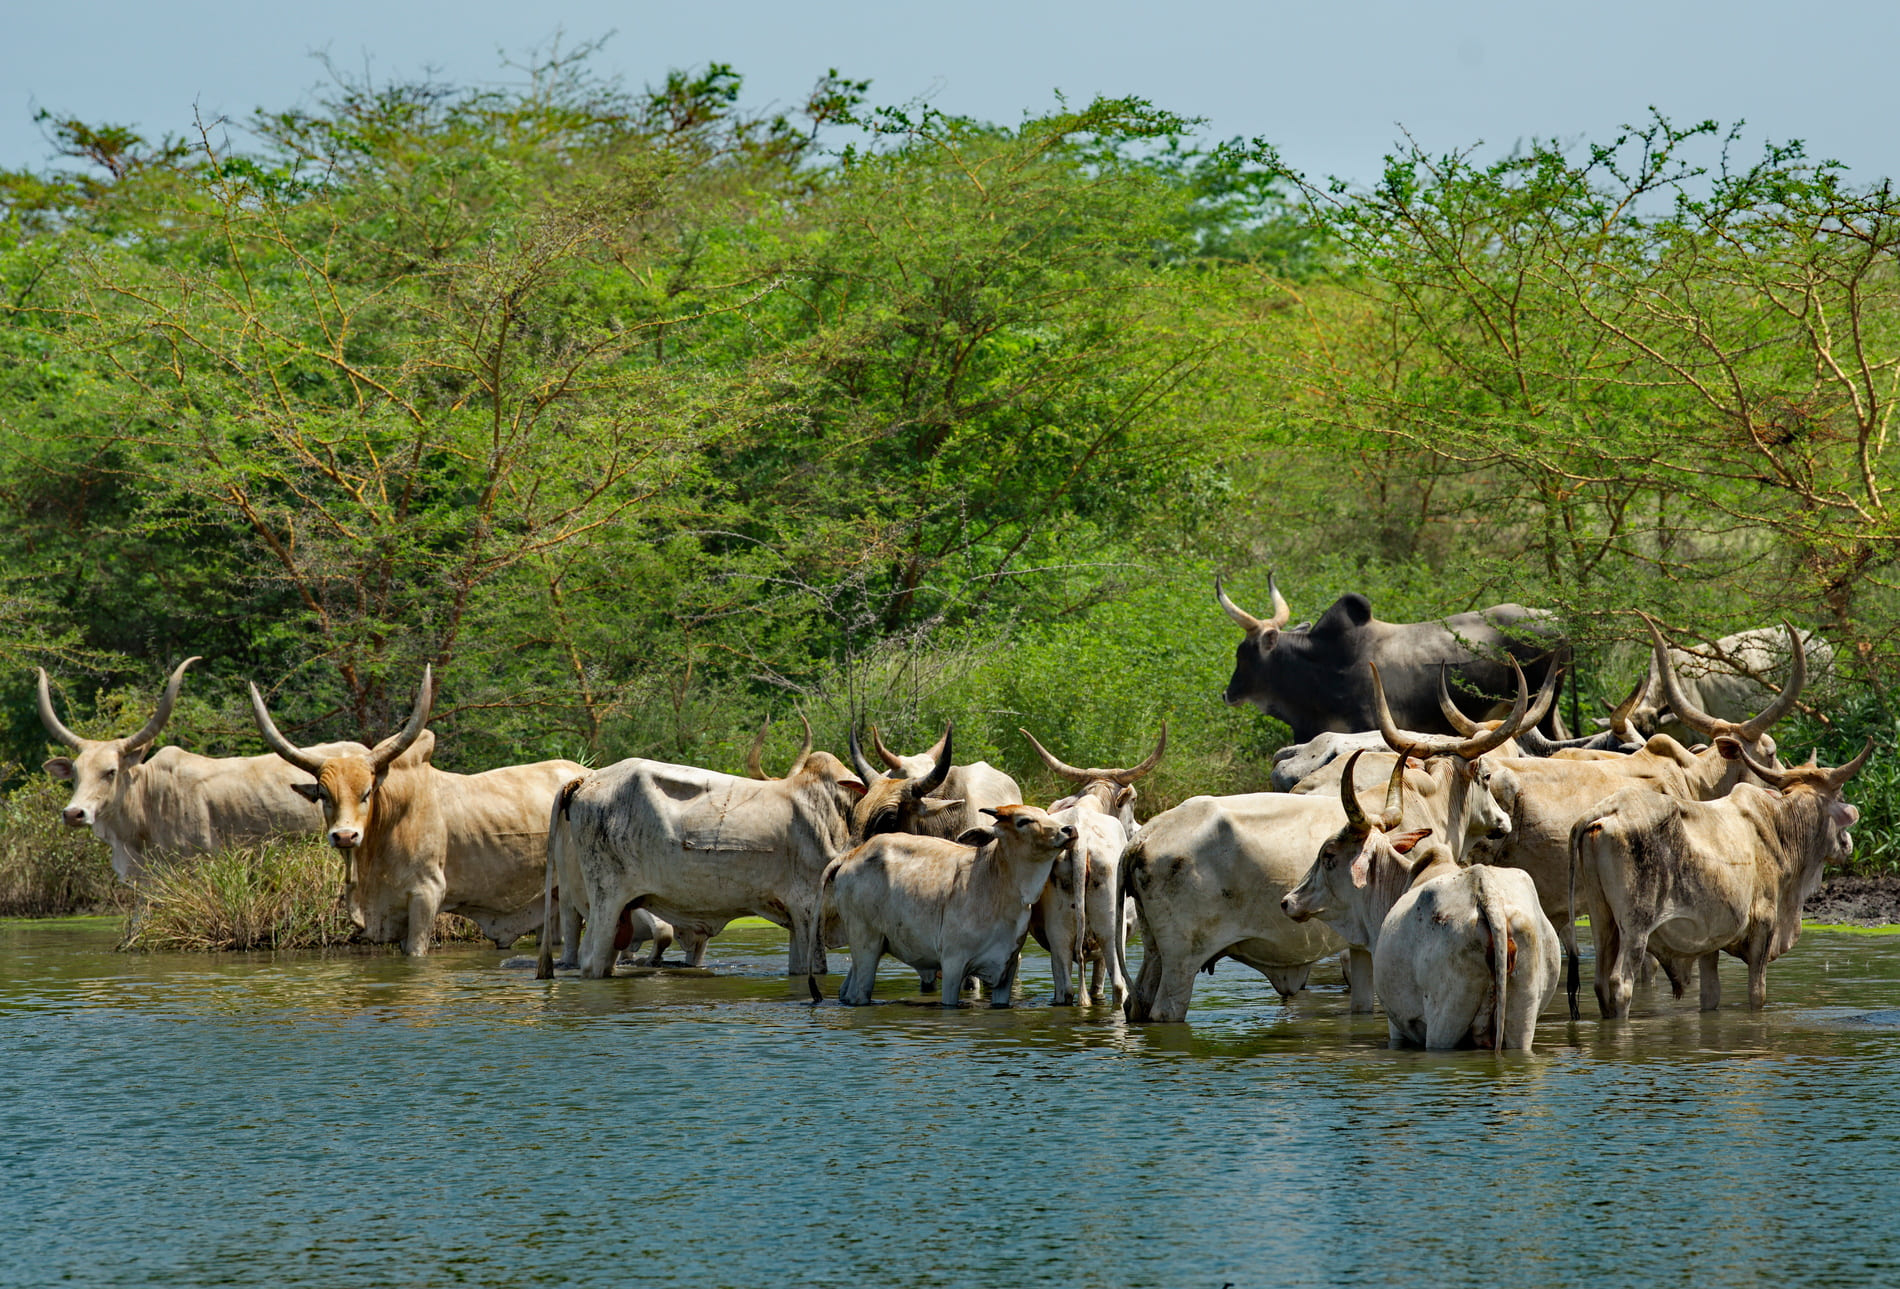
<point x="1333" y="85"/>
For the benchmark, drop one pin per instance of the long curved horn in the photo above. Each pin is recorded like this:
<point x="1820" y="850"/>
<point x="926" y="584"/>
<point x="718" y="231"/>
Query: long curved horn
<point x="1126" y="777"/>
<point x="891" y="758"/>
<point x="150" y="729"/>
<point x="1546" y="695"/>
<point x="804" y="749"/>
<point x="1686" y="712"/>
<point x="940" y="750"/>
<point x="1449" y="710"/>
<point x="939" y="770"/>
<point x="1839" y="776"/>
<point x="55" y="726"/>
<point x="1757" y="725"/>
<point x="1244" y="620"/>
<point x="1349" y="796"/>
<point x="858" y="759"/>
<point x="1395" y="798"/>
<point x="1061" y="767"/>
<point x="275" y="741"/>
<point x="1281" y="614"/>
<point x="1620" y="714"/>
<point x="1405" y="741"/>
<point x="385" y="752"/>
<point x="754" y="766"/>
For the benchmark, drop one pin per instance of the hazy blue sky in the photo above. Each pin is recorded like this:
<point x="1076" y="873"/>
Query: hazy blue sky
<point x="1332" y="83"/>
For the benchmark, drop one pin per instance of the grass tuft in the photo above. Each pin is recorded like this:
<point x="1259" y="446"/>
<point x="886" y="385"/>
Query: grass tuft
<point x="46" y="868"/>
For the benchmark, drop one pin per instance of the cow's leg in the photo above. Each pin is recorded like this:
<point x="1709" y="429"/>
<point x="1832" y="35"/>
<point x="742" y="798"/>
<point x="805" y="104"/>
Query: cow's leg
<point x="1174" y="989"/>
<point x="1139" y="1005"/>
<point x="1677" y="969"/>
<point x="1622" y="976"/>
<point x="952" y="969"/>
<point x="1609" y="943"/>
<point x="866" y="950"/>
<point x="1003" y="992"/>
<point x="1758" y="977"/>
<point x="806" y="956"/>
<point x="1359" y="978"/>
<point x="692" y="947"/>
<point x="662" y="941"/>
<point x="423" y="907"/>
<point x="596" y="956"/>
<point x="1061" y="932"/>
<point x="1711" y="981"/>
<point x="570" y="934"/>
<point x="1097" y="975"/>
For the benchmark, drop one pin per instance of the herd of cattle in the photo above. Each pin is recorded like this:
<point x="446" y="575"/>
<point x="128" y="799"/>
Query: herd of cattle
<point x="1454" y="904"/>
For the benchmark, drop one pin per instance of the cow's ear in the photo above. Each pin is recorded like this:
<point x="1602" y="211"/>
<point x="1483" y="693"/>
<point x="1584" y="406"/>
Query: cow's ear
<point x="60" y="767"/>
<point x="856" y="786"/>
<point x="935" y="807"/>
<point x="1404" y="842"/>
<point x="1126" y="797"/>
<point x="1730" y="748"/>
<point x="308" y="791"/>
<point x="131" y="758"/>
<point x="976" y="836"/>
<point x="1362" y="867"/>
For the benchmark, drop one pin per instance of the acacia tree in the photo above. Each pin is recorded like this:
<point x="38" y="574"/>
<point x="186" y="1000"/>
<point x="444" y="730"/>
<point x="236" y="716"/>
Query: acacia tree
<point x="1670" y="378"/>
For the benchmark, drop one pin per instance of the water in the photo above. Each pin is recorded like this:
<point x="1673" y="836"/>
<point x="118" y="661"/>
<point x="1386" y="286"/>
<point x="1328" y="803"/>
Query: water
<point x="363" y="1120"/>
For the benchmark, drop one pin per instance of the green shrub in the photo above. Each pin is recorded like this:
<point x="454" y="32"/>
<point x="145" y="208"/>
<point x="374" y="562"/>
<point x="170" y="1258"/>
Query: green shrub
<point x="1858" y="715"/>
<point x="46" y="868"/>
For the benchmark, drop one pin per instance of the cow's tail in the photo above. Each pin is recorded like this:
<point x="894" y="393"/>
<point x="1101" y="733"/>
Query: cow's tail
<point x="1572" y="973"/>
<point x="1080" y="858"/>
<point x="1133" y="855"/>
<point x="1497" y="918"/>
<point x="558" y="825"/>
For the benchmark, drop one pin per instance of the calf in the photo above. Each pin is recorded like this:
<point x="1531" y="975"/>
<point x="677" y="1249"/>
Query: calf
<point x="958" y="907"/>
<point x="1696" y="879"/>
<point x="1085" y="920"/>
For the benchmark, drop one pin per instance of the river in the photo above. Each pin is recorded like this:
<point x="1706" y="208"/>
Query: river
<point x="358" y="1119"/>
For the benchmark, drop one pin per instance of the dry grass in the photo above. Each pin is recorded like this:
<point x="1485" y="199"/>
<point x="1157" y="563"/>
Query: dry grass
<point x="46" y="868"/>
<point x="279" y="895"/>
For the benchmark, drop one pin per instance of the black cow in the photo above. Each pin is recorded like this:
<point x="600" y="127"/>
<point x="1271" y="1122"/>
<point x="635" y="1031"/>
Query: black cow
<point x="1315" y="678"/>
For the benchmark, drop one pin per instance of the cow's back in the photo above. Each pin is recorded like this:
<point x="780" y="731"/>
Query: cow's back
<point x="495" y="829"/>
<point x="693" y="843"/>
<point x="198" y="803"/>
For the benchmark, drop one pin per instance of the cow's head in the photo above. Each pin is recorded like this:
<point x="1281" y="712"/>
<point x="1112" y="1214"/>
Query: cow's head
<point x="1026" y="831"/>
<point x="1250" y="681"/>
<point x="347" y="787"/>
<point x="900" y="801"/>
<point x="103" y="770"/>
<point x="1361" y="866"/>
<point x="1753" y="732"/>
<point x="1112" y="789"/>
<point x="1822" y="785"/>
<point x="1480" y="793"/>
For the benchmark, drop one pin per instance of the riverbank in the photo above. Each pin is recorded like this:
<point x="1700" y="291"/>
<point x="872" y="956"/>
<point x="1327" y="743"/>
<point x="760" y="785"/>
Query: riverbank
<point x="1847" y="899"/>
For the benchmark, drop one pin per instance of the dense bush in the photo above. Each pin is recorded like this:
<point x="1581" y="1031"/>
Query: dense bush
<point x="642" y="417"/>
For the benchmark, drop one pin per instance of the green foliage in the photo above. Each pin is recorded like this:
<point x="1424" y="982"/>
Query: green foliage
<point x="641" y="416"/>
<point x="46" y="868"/>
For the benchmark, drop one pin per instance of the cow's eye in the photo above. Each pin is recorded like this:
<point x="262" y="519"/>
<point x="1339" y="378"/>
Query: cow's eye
<point x="366" y="792"/>
<point x="110" y="773"/>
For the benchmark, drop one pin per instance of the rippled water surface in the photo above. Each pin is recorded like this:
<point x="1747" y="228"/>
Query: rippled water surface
<point x="363" y="1120"/>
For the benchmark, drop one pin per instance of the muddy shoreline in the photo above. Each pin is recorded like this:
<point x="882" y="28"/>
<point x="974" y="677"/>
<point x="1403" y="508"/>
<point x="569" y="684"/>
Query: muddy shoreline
<point x="1845" y="898"/>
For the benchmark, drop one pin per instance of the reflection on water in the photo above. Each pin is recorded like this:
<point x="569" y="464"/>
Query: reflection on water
<point x="367" y="1120"/>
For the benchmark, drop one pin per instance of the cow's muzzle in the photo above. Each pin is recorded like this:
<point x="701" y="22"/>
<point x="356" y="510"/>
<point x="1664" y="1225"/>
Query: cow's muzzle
<point x="346" y="838"/>
<point x="74" y="816"/>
